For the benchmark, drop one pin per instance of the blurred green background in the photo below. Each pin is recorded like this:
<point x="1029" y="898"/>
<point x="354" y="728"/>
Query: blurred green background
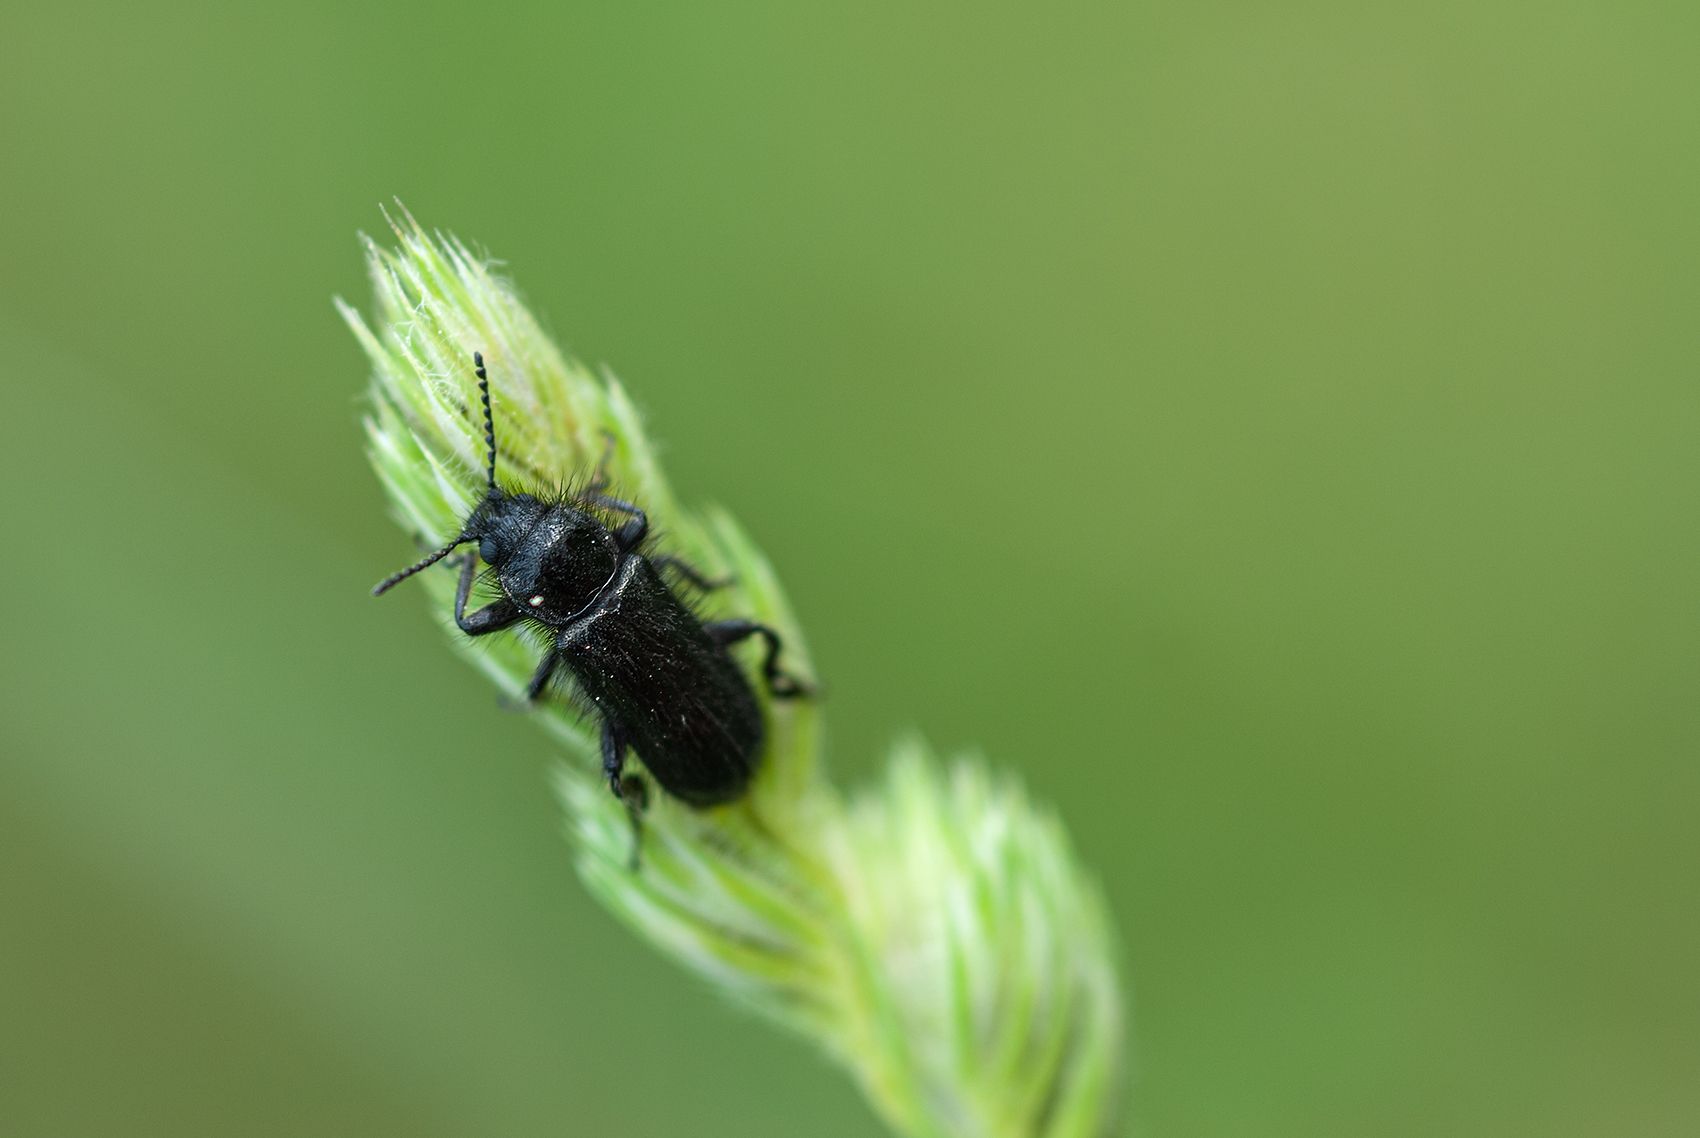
<point x="1271" y="430"/>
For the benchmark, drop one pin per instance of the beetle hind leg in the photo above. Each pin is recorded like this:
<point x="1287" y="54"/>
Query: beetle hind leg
<point x="630" y="789"/>
<point x="780" y="684"/>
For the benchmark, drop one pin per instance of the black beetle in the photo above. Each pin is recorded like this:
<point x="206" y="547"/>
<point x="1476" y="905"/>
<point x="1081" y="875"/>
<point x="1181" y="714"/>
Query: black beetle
<point x="660" y="679"/>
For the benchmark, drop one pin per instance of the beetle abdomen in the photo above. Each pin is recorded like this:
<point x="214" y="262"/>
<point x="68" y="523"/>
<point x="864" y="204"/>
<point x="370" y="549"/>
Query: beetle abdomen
<point x="675" y="696"/>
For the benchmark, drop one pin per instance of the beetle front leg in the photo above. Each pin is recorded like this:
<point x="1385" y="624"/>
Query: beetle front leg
<point x="492" y="617"/>
<point x="631" y="790"/>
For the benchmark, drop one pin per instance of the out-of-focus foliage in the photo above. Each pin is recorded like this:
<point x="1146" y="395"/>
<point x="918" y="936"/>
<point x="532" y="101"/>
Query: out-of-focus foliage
<point x="1270" y="430"/>
<point x="935" y="937"/>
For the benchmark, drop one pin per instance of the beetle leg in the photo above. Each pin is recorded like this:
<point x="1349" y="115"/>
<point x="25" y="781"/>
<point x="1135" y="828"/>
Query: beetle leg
<point x="628" y="788"/>
<point x="634" y="792"/>
<point x="613" y="756"/>
<point x="599" y="480"/>
<point x="540" y="678"/>
<point x="780" y="684"/>
<point x="492" y="617"/>
<point x="630" y="533"/>
<point x="688" y="572"/>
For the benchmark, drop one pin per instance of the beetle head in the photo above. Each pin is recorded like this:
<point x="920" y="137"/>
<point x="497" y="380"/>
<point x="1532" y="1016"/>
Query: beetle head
<point x="499" y="521"/>
<point x="500" y="524"/>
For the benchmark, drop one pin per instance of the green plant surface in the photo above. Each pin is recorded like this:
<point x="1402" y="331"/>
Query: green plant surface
<point x="934" y="933"/>
<point x="1269" y="431"/>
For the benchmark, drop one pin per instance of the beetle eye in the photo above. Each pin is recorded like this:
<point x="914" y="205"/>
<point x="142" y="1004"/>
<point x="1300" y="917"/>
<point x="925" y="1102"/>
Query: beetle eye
<point x="487" y="550"/>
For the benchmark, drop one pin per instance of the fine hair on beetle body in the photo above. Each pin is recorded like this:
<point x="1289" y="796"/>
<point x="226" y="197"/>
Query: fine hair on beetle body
<point x="575" y="566"/>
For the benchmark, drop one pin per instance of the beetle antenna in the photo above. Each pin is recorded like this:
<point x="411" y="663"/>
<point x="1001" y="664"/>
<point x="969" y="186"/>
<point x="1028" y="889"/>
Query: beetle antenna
<point x="394" y="579"/>
<point x="489" y="420"/>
